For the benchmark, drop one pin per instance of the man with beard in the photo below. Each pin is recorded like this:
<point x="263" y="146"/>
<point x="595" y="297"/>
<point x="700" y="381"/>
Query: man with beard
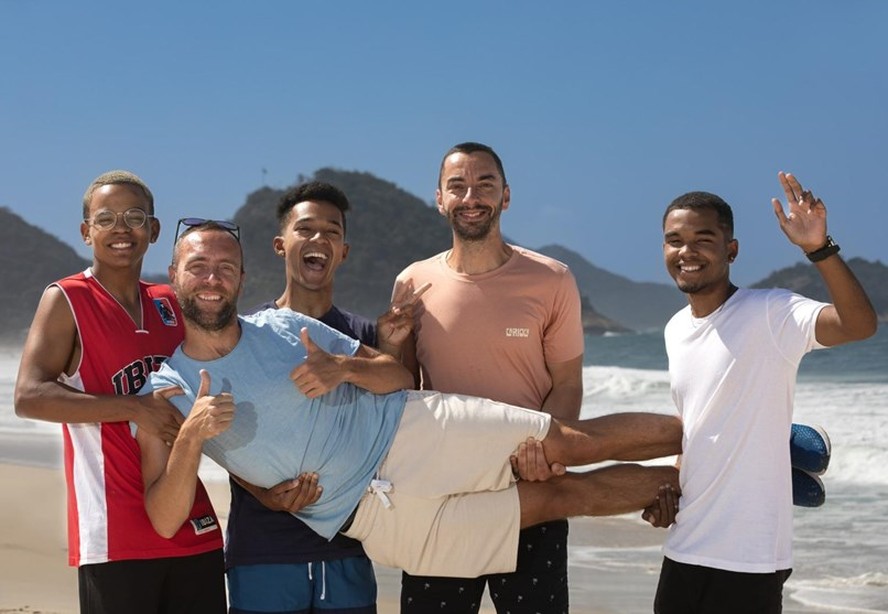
<point x="733" y="358"/>
<point x="423" y="479"/>
<point x="500" y="322"/>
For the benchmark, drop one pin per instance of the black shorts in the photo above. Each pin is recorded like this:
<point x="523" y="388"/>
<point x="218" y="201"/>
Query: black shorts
<point x="176" y="585"/>
<point x="694" y="589"/>
<point x="538" y="585"/>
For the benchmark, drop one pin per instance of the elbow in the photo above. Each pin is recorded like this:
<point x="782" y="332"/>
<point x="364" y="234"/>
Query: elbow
<point x="165" y="523"/>
<point x="166" y="532"/>
<point x="24" y="404"/>
<point x="864" y="328"/>
<point x="871" y="327"/>
<point x="164" y="528"/>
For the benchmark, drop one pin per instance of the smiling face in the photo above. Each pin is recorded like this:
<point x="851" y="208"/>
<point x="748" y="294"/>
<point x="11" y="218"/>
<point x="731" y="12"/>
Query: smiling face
<point x="471" y="195"/>
<point x="120" y="246"/>
<point x="207" y="278"/>
<point x="312" y="242"/>
<point x="697" y="251"/>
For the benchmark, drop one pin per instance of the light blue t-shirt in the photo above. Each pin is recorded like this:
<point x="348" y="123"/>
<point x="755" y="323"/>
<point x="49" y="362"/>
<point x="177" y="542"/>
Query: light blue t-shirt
<point x="277" y="432"/>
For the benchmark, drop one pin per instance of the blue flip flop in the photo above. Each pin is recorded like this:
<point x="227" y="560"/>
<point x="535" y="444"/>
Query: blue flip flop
<point x="809" y="448"/>
<point x="807" y="489"/>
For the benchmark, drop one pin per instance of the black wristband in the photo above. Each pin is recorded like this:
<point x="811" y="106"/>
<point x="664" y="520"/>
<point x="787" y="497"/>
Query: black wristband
<point x="824" y="252"/>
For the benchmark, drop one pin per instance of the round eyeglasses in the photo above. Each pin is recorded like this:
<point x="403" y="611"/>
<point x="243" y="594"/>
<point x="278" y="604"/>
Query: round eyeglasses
<point x="106" y="220"/>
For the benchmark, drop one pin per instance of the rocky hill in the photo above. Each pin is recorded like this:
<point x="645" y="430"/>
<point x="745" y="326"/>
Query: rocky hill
<point x="638" y="305"/>
<point x="387" y="228"/>
<point x="804" y="279"/>
<point x="30" y="259"/>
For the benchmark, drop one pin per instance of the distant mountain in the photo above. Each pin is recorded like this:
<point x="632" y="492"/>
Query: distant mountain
<point x="804" y="279"/>
<point x="638" y="305"/>
<point x="388" y="228"/>
<point x="30" y="259"/>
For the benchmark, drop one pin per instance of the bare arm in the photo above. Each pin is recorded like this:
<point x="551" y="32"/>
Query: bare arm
<point x="408" y="359"/>
<point x="369" y="369"/>
<point x="851" y="316"/>
<point x="51" y="349"/>
<point x="563" y="402"/>
<point x="170" y="473"/>
<point x="566" y="396"/>
<point x="395" y="328"/>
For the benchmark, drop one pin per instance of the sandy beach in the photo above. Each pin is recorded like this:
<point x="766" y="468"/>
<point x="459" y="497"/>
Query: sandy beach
<point x="35" y="577"/>
<point x="614" y="561"/>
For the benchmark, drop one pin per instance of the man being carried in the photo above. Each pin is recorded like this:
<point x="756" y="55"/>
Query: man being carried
<point x="423" y="479"/>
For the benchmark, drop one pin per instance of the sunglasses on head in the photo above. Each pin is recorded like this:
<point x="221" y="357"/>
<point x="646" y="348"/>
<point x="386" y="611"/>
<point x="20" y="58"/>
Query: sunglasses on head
<point x="196" y="222"/>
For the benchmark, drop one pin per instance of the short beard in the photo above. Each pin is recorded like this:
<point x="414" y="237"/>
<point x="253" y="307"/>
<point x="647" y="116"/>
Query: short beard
<point x="219" y="321"/>
<point x="475" y="232"/>
<point x="691" y="288"/>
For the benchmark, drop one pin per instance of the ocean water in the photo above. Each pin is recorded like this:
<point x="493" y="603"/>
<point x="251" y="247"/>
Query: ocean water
<point x="841" y="549"/>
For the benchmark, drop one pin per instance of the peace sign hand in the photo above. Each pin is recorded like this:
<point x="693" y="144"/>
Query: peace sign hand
<point x="394" y="326"/>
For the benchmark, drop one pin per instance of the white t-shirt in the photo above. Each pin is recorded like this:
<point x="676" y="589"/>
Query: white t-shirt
<point x="733" y="380"/>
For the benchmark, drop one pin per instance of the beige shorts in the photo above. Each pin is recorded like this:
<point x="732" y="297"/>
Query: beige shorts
<point x="452" y="509"/>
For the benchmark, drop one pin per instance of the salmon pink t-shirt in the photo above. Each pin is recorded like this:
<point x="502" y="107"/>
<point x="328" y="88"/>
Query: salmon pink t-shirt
<point x="491" y="334"/>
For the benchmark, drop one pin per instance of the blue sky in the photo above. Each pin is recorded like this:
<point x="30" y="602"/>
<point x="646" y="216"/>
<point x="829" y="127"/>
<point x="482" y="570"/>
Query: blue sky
<point x="603" y="112"/>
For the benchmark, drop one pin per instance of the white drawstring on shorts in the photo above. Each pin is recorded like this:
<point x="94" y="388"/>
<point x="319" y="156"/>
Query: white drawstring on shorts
<point x="379" y="488"/>
<point x="323" y="578"/>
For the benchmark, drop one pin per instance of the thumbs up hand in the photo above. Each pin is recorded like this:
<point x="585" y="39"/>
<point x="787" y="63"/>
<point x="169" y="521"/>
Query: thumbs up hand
<point x="320" y="373"/>
<point x="210" y="414"/>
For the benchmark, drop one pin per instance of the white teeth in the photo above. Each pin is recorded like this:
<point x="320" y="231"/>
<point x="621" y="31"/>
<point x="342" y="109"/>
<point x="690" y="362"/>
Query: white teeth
<point x="120" y="245"/>
<point x="690" y="269"/>
<point x="209" y="297"/>
<point x="315" y="255"/>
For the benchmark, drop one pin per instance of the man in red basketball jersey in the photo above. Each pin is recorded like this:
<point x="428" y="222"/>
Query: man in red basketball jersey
<point x="95" y="338"/>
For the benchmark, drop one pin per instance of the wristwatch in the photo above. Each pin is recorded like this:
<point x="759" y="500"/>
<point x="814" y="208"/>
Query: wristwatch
<point x="828" y="249"/>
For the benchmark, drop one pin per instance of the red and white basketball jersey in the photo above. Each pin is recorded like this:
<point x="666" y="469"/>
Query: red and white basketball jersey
<point x="107" y="520"/>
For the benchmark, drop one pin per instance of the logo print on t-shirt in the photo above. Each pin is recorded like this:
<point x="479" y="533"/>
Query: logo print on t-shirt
<point x="517" y="332"/>
<point x="167" y="315"/>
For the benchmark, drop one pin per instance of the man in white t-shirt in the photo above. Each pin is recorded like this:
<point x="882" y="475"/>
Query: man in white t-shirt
<point x="733" y="357"/>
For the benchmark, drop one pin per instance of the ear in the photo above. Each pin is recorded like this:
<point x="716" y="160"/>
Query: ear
<point x="507" y="196"/>
<point x="344" y="251"/>
<point x="171" y="273"/>
<point x="439" y="200"/>
<point x="733" y="250"/>
<point x="84" y="232"/>
<point x="278" y="245"/>
<point x="155" y="229"/>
